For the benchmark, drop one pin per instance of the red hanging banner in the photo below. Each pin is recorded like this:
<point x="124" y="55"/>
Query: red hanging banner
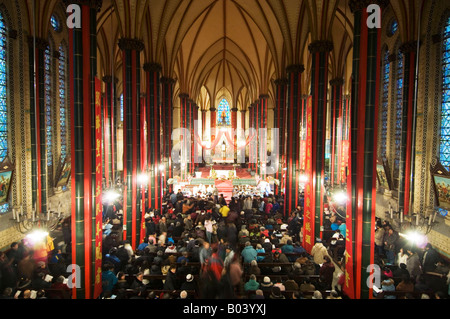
<point x="308" y="217"/>
<point x="98" y="191"/>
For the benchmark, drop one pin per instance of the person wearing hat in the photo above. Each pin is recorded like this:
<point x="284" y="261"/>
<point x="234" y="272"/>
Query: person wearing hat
<point x="267" y="284"/>
<point x="189" y="284"/>
<point x="275" y="293"/>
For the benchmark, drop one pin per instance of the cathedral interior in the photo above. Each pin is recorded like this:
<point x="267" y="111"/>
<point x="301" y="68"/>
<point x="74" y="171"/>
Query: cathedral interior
<point x="313" y="97"/>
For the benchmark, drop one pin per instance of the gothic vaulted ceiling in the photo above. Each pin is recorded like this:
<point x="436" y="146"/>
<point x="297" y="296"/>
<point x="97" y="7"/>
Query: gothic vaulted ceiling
<point x="214" y="48"/>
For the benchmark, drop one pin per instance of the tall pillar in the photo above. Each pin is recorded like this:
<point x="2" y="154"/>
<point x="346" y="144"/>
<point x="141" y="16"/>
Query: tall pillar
<point x="320" y="51"/>
<point x="203" y="124"/>
<point x="263" y="100"/>
<point x="213" y="122"/>
<point x="196" y="147"/>
<point x="234" y="129"/>
<point x="110" y="127"/>
<point x="253" y="148"/>
<point x="153" y="114"/>
<point x="242" y="147"/>
<point x="279" y="123"/>
<point x="336" y="106"/>
<point x="406" y="163"/>
<point x="364" y="113"/>
<point x="167" y="127"/>
<point x="37" y="48"/>
<point x="131" y="51"/>
<point x="83" y="69"/>
<point x="294" y="107"/>
<point x="185" y="142"/>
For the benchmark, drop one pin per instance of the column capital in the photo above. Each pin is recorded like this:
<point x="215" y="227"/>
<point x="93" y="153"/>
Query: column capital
<point x="305" y="96"/>
<point x="337" y="82"/>
<point x="408" y="47"/>
<point x="131" y="44"/>
<point x="320" y="46"/>
<point x="281" y="81"/>
<point x="263" y="96"/>
<point x="243" y="111"/>
<point x="41" y="43"/>
<point x="213" y="109"/>
<point x="152" y="67"/>
<point x="167" y="80"/>
<point x="183" y="96"/>
<point x="359" y="5"/>
<point x="295" y="68"/>
<point x="204" y="111"/>
<point x="234" y="109"/>
<point x="109" y="79"/>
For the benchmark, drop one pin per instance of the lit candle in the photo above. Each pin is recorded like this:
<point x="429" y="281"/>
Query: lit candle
<point x="401" y="217"/>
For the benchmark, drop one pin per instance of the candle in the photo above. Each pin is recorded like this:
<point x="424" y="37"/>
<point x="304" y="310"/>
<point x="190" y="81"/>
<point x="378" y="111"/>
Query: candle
<point x="434" y="216"/>
<point x="14" y="213"/>
<point x="429" y="220"/>
<point x="417" y="220"/>
<point x="401" y="217"/>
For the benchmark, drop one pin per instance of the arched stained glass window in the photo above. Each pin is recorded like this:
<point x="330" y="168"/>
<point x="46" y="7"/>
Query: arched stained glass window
<point x="385" y="102"/>
<point x="121" y="107"/>
<point x="48" y="106"/>
<point x="444" y="150"/>
<point x="224" y="113"/>
<point x="62" y="102"/>
<point x="398" y="117"/>
<point x="55" y="23"/>
<point x="3" y="98"/>
<point x="3" y="90"/>
<point x="393" y="27"/>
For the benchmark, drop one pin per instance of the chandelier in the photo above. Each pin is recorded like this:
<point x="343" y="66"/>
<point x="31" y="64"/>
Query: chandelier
<point x="25" y="222"/>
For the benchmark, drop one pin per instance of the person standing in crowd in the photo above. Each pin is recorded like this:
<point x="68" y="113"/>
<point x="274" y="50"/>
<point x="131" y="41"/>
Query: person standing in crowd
<point x="429" y="259"/>
<point x="390" y="242"/>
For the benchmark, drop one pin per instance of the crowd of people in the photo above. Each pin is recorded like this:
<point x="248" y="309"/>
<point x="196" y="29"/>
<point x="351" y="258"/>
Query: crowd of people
<point x="210" y="247"/>
<point x="213" y="242"/>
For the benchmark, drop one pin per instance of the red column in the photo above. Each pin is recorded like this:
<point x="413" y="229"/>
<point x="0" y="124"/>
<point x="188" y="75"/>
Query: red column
<point x="213" y="121"/>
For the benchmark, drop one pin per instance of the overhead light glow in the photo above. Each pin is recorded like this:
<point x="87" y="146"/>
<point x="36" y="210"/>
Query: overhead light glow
<point x="340" y="197"/>
<point x="110" y="196"/>
<point x="37" y="236"/>
<point x="415" y="238"/>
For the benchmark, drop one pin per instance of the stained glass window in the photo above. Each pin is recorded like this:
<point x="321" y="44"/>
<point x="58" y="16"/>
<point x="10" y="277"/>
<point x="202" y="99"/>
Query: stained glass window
<point x="55" y="23"/>
<point x="385" y="102"/>
<point x="3" y="90"/>
<point x="3" y="97"/>
<point x="398" y="116"/>
<point x="444" y="149"/>
<point x="62" y="102"/>
<point x="121" y="107"/>
<point x="48" y="106"/>
<point x="393" y="27"/>
<point x="224" y="113"/>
